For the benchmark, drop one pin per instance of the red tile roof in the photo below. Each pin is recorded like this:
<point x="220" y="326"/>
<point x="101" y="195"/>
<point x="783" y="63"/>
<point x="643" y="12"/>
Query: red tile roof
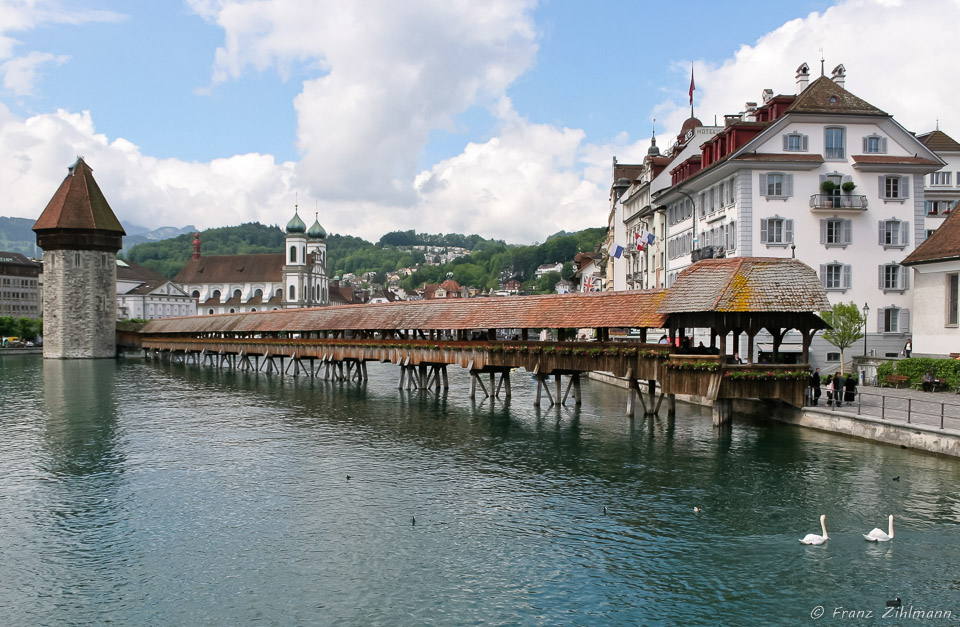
<point x="79" y="204"/>
<point x="599" y="309"/>
<point x="938" y="141"/>
<point x="942" y="245"/>
<point x="893" y="160"/>
<point x="746" y="284"/>
<point x="267" y="268"/>
<point x="824" y="96"/>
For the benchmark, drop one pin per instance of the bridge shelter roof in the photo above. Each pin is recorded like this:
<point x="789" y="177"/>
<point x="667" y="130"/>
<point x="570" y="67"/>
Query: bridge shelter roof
<point x="748" y="285"/>
<point x="636" y="309"/>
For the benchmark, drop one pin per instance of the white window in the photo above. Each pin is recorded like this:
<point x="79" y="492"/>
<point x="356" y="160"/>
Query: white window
<point x="893" y="187"/>
<point x="893" y="320"/>
<point x="795" y="142"/>
<point x="894" y="233"/>
<point x="940" y="178"/>
<point x="776" y="185"/>
<point x="836" y="232"/>
<point x="731" y="192"/>
<point x="874" y="144"/>
<point x="836" y="276"/>
<point x="894" y="277"/>
<point x="834" y="143"/>
<point x="776" y="231"/>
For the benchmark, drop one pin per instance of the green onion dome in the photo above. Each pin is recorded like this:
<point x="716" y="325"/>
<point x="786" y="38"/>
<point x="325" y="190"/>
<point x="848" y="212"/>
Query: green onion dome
<point x="296" y="225"/>
<point x="316" y="231"/>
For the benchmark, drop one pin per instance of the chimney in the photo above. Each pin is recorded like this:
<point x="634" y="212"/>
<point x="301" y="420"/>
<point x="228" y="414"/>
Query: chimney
<point x="767" y="95"/>
<point x="839" y="75"/>
<point x="803" y="77"/>
<point x="196" y="245"/>
<point x="750" y="112"/>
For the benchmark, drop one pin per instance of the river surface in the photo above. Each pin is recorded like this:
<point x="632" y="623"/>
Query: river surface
<point x="147" y="493"/>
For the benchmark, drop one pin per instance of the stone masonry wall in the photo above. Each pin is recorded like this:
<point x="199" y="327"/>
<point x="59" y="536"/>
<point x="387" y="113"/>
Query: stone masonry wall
<point x="79" y="304"/>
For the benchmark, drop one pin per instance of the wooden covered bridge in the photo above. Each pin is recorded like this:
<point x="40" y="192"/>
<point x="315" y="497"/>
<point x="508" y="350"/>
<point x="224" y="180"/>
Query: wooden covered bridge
<point x="492" y="336"/>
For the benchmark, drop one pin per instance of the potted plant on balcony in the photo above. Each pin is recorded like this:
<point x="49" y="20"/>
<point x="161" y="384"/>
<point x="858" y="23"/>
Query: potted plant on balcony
<point x="828" y="187"/>
<point x="848" y="187"/>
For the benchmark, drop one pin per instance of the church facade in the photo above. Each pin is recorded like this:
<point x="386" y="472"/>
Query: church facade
<point x="292" y="279"/>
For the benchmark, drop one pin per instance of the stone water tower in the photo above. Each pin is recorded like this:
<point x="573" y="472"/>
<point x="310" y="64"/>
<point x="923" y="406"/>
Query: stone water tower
<point x="80" y="237"/>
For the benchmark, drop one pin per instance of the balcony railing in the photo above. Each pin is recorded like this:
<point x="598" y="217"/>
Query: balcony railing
<point x="834" y="202"/>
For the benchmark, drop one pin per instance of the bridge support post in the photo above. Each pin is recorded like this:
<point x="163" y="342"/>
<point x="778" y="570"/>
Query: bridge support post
<point x="634" y="391"/>
<point x="446" y="383"/>
<point x="722" y="411"/>
<point x="403" y="374"/>
<point x="557" y="385"/>
<point x="671" y="405"/>
<point x="575" y="384"/>
<point x="543" y="385"/>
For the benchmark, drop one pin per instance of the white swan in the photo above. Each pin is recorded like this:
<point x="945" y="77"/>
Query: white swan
<point x="812" y="538"/>
<point x="878" y="535"/>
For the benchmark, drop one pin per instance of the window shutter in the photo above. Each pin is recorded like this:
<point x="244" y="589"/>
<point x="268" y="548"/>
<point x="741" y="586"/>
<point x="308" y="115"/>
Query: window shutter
<point x="880" y="239"/>
<point x="904" y="233"/>
<point x="732" y="239"/>
<point x="882" y="190"/>
<point x="904" y="187"/>
<point x="883" y="145"/>
<point x="881" y="316"/>
<point x="788" y="185"/>
<point x="865" y="142"/>
<point x="905" y="277"/>
<point x="803" y="142"/>
<point x="785" y="143"/>
<point x="823" y="275"/>
<point x="788" y="231"/>
<point x="880" y="278"/>
<point x="763" y="230"/>
<point x="847" y="236"/>
<point x="823" y="232"/>
<point x="763" y="184"/>
<point x="847" y="276"/>
<point x="904" y="321"/>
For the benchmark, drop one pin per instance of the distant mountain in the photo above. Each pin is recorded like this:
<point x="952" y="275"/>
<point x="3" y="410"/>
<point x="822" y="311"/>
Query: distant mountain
<point x="16" y="235"/>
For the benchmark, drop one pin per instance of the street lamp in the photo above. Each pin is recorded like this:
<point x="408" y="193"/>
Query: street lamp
<point x="866" y="312"/>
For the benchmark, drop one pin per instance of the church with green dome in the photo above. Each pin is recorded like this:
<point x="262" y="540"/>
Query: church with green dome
<point x="295" y="278"/>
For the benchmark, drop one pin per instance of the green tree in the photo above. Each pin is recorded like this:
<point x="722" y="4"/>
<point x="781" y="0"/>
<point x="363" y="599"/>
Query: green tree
<point x="848" y="325"/>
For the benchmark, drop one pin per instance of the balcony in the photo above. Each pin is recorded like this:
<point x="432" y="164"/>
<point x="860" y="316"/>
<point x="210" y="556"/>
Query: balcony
<point x="838" y="202"/>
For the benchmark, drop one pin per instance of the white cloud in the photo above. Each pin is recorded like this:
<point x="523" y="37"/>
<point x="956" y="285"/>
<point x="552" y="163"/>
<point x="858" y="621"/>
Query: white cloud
<point x="390" y="72"/>
<point x="896" y="56"/>
<point x="20" y="73"/>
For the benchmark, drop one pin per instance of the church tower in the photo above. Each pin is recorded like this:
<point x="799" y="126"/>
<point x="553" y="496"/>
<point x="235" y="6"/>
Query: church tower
<point x="295" y="266"/>
<point x="80" y="237"/>
<point x="317" y="255"/>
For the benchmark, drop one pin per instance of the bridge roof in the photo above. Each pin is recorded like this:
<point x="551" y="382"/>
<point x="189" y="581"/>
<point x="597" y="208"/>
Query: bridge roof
<point x="746" y="284"/>
<point x="637" y="309"/>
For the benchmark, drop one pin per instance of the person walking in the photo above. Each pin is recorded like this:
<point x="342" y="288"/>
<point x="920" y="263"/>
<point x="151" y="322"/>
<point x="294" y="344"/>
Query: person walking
<point x="815" y="386"/>
<point x="829" y="388"/>
<point x="908" y="348"/>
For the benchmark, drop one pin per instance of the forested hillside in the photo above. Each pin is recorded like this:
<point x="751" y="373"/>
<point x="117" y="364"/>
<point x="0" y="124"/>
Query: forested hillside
<point x="346" y="253"/>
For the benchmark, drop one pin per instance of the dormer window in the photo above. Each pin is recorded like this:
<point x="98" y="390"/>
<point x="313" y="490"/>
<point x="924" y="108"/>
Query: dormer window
<point x="795" y="142"/>
<point x="875" y="144"/>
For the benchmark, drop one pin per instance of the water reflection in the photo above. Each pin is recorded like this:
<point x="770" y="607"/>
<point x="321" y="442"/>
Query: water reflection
<point x="228" y="502"/>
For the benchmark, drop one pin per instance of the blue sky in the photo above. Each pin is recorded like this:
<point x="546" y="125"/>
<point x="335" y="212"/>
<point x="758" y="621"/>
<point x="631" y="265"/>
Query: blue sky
<point x="496" y="117"/>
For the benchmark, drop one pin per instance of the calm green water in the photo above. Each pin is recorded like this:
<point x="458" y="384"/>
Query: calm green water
<point x="139" y="493"/>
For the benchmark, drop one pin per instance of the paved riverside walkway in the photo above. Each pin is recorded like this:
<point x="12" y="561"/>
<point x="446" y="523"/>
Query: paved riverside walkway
<point x="901" y="406"/>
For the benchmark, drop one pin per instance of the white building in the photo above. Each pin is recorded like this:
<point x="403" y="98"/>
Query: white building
<point x="547" y="268"/>
<point x="142" y="293"/>
<point x="942" y="188"/>
<point x="821" y="175"/>
<point x="936" y="302"/>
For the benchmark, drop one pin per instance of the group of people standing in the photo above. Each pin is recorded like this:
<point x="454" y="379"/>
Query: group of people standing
<point x="839" y="389"/>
